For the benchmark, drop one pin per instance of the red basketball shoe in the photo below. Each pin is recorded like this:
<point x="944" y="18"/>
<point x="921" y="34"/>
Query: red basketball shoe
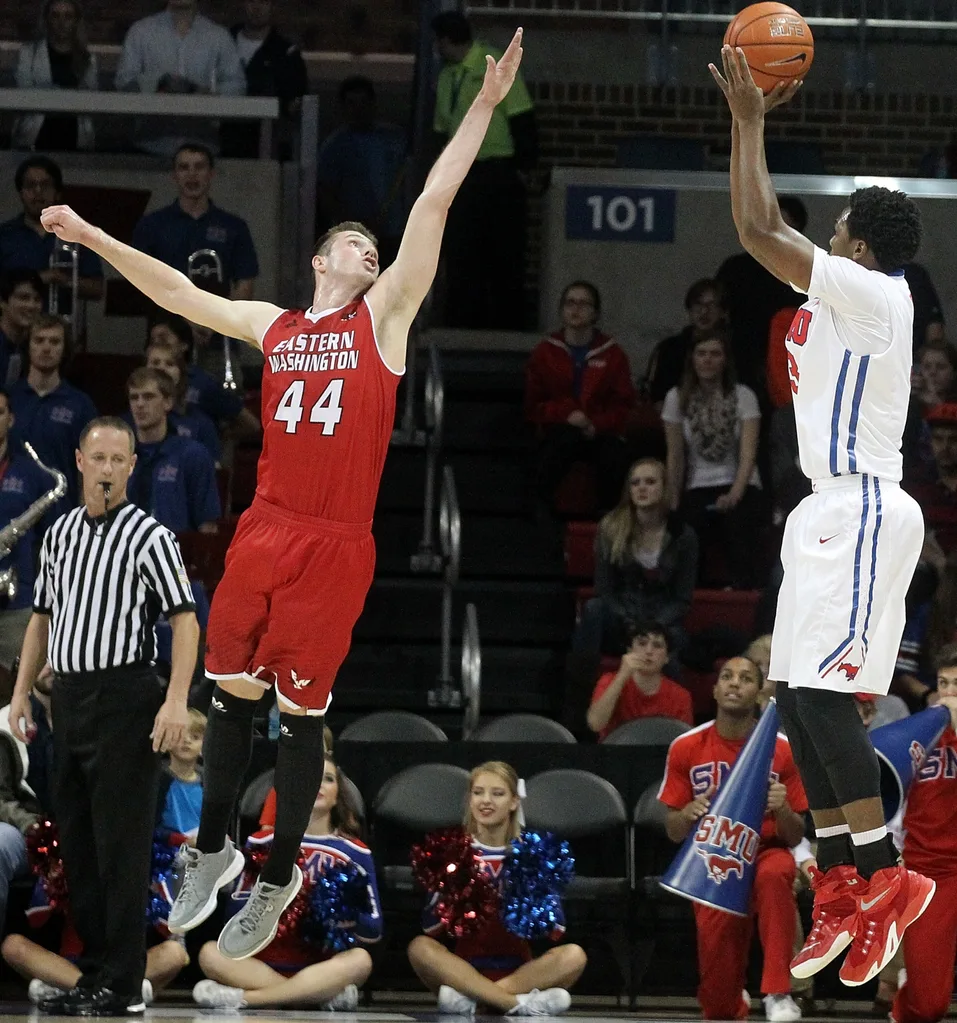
<point x="835" y="906"/>
<point x="893" y="899"/>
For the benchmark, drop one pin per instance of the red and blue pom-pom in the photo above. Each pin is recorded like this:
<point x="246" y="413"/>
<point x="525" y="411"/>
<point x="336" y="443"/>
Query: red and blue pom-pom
<point x="43" y="856"/>
<point x="535" y="872"/>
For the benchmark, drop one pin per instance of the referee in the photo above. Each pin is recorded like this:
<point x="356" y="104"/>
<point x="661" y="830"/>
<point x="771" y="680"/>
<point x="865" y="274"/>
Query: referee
<point x="107" y="571"/>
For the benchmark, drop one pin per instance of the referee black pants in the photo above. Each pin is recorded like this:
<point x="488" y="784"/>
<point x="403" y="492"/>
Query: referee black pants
<point x="104" y="793"/>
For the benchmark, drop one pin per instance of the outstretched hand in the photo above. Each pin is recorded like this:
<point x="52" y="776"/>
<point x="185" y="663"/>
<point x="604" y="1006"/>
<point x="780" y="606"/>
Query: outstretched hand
<point x="67" y="225"/>
<point x="499" y="76"/>
<point x="746" y="100"/>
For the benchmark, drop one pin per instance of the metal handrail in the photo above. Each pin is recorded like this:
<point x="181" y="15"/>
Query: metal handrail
<point x="427" y="558"/>
<point x="447" y="693"/>
<point x="471" y="671"/>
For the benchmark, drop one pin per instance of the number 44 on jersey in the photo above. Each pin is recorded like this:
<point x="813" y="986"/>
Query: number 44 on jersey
<point x="327" y="410"/>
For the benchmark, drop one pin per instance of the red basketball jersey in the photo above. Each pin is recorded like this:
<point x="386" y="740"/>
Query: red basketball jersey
<point x="328" y="409"/>
<point x="930" y="842"/>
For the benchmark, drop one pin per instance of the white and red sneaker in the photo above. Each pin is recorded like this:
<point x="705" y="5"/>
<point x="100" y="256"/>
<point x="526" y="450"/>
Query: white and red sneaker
<point x="835" y="905"/>
<point x="893" y="899"/>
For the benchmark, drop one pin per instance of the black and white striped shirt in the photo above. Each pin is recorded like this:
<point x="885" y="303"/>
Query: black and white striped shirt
<point x="104" y="583"/>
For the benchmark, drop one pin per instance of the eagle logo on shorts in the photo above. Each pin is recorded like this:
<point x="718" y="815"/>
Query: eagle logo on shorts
<point x="299" y="683"/>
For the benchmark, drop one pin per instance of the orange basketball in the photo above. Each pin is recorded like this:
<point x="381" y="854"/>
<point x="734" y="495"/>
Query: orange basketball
<point x="776" y="40"/>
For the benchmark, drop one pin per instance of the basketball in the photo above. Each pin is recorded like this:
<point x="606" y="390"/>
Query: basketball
<point x="776" y="40"/>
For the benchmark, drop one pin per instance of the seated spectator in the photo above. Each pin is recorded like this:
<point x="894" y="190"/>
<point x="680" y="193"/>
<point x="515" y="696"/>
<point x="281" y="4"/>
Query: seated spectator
<point x="174" y="478"/>
<point x="178" y="51"/>
<point x="274" y="67"/>
<point x="492" y="966"/>
<point x="639" y="689"/>
<point x="934" y="379"/>
<point x="698" y="762"/>
<point x="21" y="302"/>
<point x="291" y="971"/>
<point x="26" y="779"/>
<point x="759" y="652"/>
<point x="180" y="799"/>
<point x="578" y="395"/>
<point x="191" y="422"/>
<point x="361" y="168"/>
<point x="705" y="305"/>
<point x="58" y="59"/>
<point x="646" y="562"/>
<point x="936" y="492"/>
<point x="47" y="411"/>
<point x="711" y="429"/>
<point x="193" y="222"/>
<point x="24" y="244"/>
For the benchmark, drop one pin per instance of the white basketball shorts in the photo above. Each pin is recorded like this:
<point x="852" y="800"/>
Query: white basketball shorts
<point x="849" y="553"/>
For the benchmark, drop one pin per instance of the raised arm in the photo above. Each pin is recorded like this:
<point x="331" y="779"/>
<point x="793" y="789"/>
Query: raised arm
<point x="397" y="295"/>
<point x="167" y="287"/>
<point x="754" y="204"/>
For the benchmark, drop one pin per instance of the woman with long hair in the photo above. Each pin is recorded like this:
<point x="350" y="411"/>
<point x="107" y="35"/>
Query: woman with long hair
<point x="712" y="425"/>
<point x="57" y="59"/>
<point x="646" y="563"/>
<point x="289" y="971"/>
<point x="494" y="967"/>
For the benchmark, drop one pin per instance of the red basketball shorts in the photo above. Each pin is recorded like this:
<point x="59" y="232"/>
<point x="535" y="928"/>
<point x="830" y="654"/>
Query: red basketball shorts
<point x="284" y="611"/>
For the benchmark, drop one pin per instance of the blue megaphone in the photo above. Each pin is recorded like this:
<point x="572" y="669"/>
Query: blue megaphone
<point x="715" y="866"/>
<point x="902" y="747"/>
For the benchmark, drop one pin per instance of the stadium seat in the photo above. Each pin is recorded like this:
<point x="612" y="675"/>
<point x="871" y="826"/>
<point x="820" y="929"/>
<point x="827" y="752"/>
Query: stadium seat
<point x="522" y="728"/>
<point x="392" y="726"/>
<point x="656" y="731"/>
<point x="732" y="608"/>
<point x="576" y="496"/>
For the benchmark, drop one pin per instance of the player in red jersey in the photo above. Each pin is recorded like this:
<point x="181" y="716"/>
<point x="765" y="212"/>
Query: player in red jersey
<point x="930" y="847"/>
<point x="301" y="563"/>
<point x="698" y="761"/>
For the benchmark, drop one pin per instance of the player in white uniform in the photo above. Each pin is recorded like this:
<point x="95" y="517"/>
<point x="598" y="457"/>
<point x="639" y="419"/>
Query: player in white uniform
<point x="851" y="547"/>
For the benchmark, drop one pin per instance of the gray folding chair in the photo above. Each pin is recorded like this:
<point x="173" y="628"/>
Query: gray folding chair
<point x="522" y="728"/>
<point x="392" y="726"/>
<point x="647" y="732"/>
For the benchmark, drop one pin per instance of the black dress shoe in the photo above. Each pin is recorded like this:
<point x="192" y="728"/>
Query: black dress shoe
<point x="67" y="1003"/>
<point x="105" y="1002"/>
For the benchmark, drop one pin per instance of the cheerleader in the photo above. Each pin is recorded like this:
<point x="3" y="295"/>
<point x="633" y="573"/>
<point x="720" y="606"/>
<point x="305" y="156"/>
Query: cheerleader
<point x="494" y="967"/>
<point x="291" y="971"/>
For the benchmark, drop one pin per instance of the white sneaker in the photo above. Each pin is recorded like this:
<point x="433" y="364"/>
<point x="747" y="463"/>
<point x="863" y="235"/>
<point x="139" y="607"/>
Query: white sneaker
<point x="147" y="992"/>
<point x="218" y="996"/>
<point x="346" y="1001"/>
<point x="40" y="991"/>
<point x="746" y="999"/>
<point x="781" y="1009"/>
<point x="454" y="1003"/>
<point x="551" y="1002"/>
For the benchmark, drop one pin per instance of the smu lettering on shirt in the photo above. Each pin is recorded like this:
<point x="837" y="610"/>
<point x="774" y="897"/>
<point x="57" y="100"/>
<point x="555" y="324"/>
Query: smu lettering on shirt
<point x="22" y="483"/>
<point x="493" y="948"/>
<point x="849" y="353"/>
<point x="328" y="412"/>
<point x="320" y="852"/>
<point x="930" y="842"/>
<point x="701" y="758"/>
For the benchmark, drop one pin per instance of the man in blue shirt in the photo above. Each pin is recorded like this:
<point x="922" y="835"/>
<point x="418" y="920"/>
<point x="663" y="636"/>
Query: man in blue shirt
<point x="192" y="222"/>
<point x="24" y="243"/>
<point x="22" y="482"/>
<point x="174" y="478"/>
<point x="49" y="412"/>
<point x="21" y="302"/>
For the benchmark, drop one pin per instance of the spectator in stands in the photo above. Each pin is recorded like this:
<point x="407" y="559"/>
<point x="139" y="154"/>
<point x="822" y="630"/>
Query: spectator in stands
<point x="178" y="51"/>
<point x="928" y="309"/>
<point x="180" y="797"/>
<point x="934" y="379"/>
<point x="493" y="967"/>
<point x="698" y="762"/>
<point x="711" y="429"/>
<point x="25" y="244"/>
<point x="759" y="652"/>
<point x="174" y="478"/>
<point x="188" y="421"/>
<point x="484" y="244"/>
<point x="937" y="493"/>
<point x="26" y="773"/>
<point x="705" y="305"/>
<point x="21" y="302"/>
<point x="291" y="971"/>
<point x="49" y="412"/>
<point x="578" y="395"/>
<point x="639" y="689"/>
<point x="646" y="562"/>
<point x="193" y="222"/>
<point x="789" y="485"/>
<point x="58" y="59"/>
<point x="362" y="169"/>
<point x="754" y="296"/>
<point x="274" y="67"/>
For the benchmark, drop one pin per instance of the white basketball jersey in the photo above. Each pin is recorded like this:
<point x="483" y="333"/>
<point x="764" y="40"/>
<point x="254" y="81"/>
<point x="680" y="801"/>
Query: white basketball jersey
<point x="849" y="354"/>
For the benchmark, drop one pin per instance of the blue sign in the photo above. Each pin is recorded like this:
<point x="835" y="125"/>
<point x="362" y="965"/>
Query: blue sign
<point x="605" y="213"/>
